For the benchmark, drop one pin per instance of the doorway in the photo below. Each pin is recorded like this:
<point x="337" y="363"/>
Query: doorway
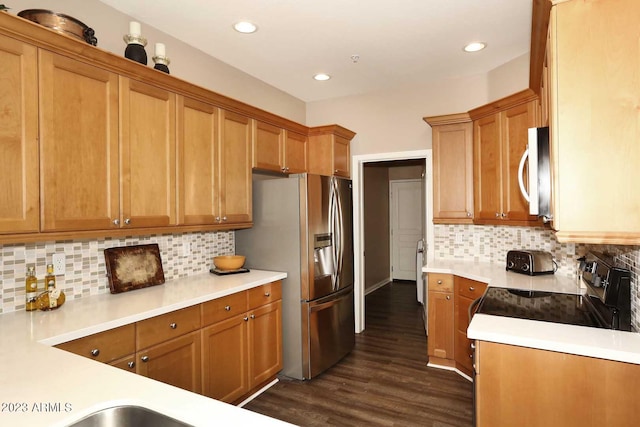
<point x="362" y="220"/>
<point x="406" y="226"/>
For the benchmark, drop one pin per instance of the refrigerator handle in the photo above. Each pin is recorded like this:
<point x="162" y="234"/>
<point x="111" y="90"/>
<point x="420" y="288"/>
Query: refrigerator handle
<point x="340" y="238"/>
<point x="332" y="230"/>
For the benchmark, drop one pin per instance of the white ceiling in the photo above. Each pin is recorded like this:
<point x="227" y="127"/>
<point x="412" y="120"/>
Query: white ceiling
<point x="399" y="42"/>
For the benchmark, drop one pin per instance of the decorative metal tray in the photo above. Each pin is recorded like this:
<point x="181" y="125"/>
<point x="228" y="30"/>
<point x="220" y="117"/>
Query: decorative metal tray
<point x="133" y="267"/>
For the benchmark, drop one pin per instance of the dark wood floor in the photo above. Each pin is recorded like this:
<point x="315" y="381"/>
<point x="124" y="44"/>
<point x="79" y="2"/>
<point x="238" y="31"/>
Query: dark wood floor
<point x="384" y="381"/>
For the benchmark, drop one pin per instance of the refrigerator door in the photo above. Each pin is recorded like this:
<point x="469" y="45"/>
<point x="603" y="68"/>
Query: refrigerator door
<point x="331" y="331"/>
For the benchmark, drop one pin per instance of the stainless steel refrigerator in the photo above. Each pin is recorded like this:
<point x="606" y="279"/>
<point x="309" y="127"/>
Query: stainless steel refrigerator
<point x="303" y="225"/>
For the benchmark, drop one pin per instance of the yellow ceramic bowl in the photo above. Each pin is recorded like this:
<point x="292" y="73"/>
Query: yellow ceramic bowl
<point x="228" y="262"/>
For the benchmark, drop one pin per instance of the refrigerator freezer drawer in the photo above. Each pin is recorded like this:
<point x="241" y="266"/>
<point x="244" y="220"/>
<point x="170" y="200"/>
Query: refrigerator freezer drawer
<point x="331" y="330"/>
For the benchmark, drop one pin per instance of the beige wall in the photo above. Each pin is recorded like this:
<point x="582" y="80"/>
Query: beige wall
<point x="508" y="78"/>
<point x="187" y="63"/>
<point x="406" y="172"/>
<point x="376" y="225"/>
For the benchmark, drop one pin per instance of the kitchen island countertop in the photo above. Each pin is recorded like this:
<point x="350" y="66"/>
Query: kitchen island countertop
<point x="42" y="385"/>
<point x="580" y="340"/>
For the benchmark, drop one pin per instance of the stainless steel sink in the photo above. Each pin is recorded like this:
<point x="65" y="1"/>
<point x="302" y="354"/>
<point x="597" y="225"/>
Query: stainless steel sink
<point x="128" y="416"/>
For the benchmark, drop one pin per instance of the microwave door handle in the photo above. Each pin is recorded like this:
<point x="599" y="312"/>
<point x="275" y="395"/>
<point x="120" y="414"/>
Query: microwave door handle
<point x="521" y="173"/>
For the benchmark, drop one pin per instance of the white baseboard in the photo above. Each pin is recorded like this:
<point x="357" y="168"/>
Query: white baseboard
<point x="377" y="286"/>
<point x="451" y="368"/>
<point x="257" y="393"/>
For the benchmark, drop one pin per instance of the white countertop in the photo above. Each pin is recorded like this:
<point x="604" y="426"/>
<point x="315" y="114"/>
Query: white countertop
<point x="581" y="340"/>
<point x="34" y="376"/>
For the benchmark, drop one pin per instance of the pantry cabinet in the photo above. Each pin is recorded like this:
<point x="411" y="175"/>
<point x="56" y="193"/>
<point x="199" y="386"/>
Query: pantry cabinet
<point x="79" y="148"/>
<point x="329" y="152"/>
<point x="452" y="145"/>
<point x="500" y="135"/>
<point x="148" y="153"/>
<point x="19" y="202"/>
<point x="197" y="167"/>
<point x="595" y="93"/>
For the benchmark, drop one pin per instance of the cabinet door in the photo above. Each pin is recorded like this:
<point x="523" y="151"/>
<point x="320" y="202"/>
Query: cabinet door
<point x="78" y="145"/>
<point x="453" y="173"/>
<point x="487" y="168"/>
<point x="268" y="144"/>
<point x="19" y="201"/>
<point x="176" y="362"/>
<point x="225" y="359"/>
<point x="341" y="157"/>
<point x="235" y="167"/>
<point x="515" y="123"/>
<point x="265" y="338"/>
<point x="197" y="169"/>
<point x="295" y="153"/>
<point x="441" y="323"/>
<point x="148" y="144"/>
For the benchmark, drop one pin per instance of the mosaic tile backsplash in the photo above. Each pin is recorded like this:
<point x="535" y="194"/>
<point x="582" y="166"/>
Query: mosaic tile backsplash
<point x="491" y="244"/>
<point x="182" y="255"/>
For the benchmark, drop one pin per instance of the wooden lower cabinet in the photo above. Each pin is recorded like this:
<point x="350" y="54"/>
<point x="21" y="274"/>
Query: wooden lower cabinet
<point x="440" y="343"/>
<point x="106" y="347"/>
<point x="128" y="363"/>
<point x="526" y="387"/>
<point x="176" y="362"/>
<point x="265" y="343"/>
<point x="466" y="292"/>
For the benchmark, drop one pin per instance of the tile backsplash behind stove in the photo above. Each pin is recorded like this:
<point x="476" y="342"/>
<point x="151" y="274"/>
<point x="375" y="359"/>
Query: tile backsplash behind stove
<point x="182" y="255"/>
<point x="491" y="243"/>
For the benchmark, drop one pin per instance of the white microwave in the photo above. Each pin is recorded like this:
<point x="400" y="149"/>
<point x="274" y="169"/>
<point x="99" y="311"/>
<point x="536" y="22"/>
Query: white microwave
<point x="539" y="173"/>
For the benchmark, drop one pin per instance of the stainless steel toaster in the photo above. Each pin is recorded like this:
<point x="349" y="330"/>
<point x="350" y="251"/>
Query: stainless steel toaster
<point x="531" y="262"/>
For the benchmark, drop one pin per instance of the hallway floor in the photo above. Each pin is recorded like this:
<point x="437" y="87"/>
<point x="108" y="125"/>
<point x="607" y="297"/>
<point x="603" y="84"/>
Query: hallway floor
<point x="384" y="381"/>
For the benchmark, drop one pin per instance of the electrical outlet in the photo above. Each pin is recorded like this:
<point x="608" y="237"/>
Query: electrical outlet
<point x="186" y="248"/>
<point x="59" y="264"/>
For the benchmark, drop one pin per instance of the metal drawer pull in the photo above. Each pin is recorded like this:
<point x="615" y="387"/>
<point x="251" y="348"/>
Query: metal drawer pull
<point x="253" y="316"/>
<point x="471" y="288"/>
<point x="145" y="358"/>
<point x="131" y="365"/>
<point x="173" y="325"/>
<point x="245" y="318"/>
<point x="227" y="308"/>
<point x="439" y="282"/>
<point x="95" y="352"/>
<point x="448" y="297"/>
<point x="473" y="346"/>
<point x="267" y="294"/>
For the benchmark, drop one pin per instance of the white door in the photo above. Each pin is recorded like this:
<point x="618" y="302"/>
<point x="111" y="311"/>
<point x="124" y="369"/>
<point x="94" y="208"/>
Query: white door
<point x="406" y="202"/>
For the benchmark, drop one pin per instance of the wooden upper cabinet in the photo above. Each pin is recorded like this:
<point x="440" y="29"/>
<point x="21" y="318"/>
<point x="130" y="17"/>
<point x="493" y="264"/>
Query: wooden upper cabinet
<point x="197" y="168"/>
<point x="499" y="140"/>
<point x="235" y="167"/>
<point x="295" y="152"/>
<point x="329" y="151"/>
<point x="279" y="150"/>
<point x="148" y="144"/>
<point x="452" y="146"/>
<point x="595" y="130"/>
<point x="19" y="180"/>
<point x="268" y="147"/>
<point x="78" y="145"/>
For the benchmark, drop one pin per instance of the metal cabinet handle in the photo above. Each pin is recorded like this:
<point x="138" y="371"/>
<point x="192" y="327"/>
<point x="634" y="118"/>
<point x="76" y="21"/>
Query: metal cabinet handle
<point x="468" y="214"/>
<point x="448" y="297"/>
<point x="116" y="222"/>
<point x="439" y="282"/>
<point x="127" y="221"/>
<point x="267" y="294"/>
<point x="95" y="352"/>
<point x="217" y="219"/>
<point x="253" y="316"/>
<point x="335" y="171"/>
<point x="227" y="308"/>
<point x="497" y="214"/>
<point x="173" y="325"/>
<point x="471" y="288"/>
<point x="504" y="215"/>
<point x="283" y="169"/>
<point x="473" y="346"/>
<point x="131" y="365"/>
<point x="245" y="318"/>
<point x="224" y="218"/>
<point x="287" y="169"/>
<point x="145" y="358"/>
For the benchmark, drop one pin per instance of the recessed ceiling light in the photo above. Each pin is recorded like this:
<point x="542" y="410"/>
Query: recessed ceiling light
<point x="245" y="27"/>
<point x="475" y="46"/>
<point x="322" y="77"/>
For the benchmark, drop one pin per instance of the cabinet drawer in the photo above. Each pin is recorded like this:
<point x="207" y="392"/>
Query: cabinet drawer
<point x="105" y="346"/>
<point x="128" y="363"/>
<point x="440" y="282"/>
<point x="470" y="288"/>
<point x="224" y="308"/>
<point x="166" y="326"/>
<point x="265" y="294"/>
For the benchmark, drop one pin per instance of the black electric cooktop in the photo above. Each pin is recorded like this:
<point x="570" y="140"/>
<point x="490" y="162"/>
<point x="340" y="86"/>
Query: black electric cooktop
<point x="536" y="305"/>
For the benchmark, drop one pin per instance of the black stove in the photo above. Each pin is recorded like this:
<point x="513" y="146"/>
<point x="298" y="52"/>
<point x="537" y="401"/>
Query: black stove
<point x="537" y="305"/>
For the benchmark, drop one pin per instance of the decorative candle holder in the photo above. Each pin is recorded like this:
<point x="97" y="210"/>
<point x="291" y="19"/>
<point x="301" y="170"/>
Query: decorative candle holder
<point x="135" y="44"/>
<point x="160" y="59"/>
